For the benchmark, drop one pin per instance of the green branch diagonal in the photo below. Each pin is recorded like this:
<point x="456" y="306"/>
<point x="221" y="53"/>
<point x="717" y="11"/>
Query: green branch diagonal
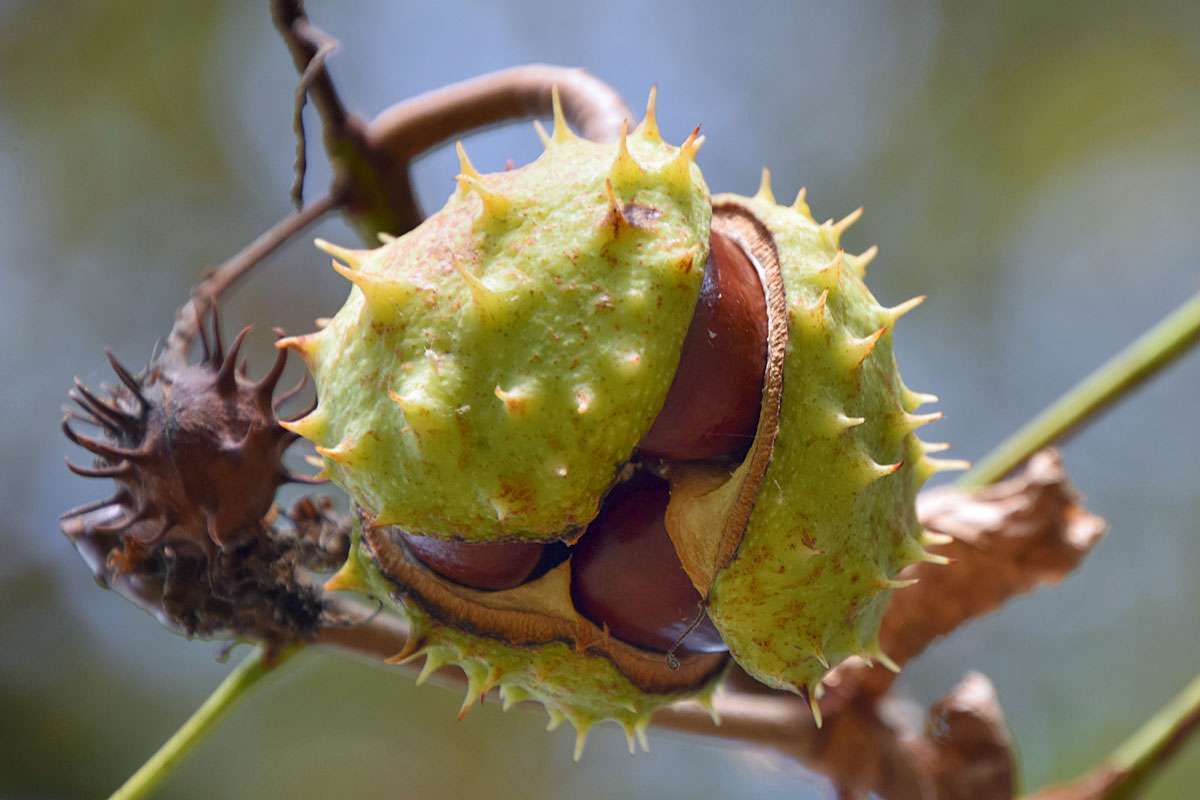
<point x="253" y="668"/>
<point x="1146" y="356"/>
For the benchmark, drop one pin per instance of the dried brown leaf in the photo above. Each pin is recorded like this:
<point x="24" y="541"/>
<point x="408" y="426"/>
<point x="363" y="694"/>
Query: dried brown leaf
<point x="1009" y="538"/>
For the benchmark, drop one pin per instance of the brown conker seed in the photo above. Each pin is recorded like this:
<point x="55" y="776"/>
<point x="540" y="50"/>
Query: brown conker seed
<point x="487" y="566"/>
<point x="625" y="574"/>
<point x="712" y="406"/>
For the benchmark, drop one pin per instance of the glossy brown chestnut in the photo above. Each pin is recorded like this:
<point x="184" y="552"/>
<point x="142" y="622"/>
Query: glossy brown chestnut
<point x="490" y="566"/>
<point x="625" y="574"/>
<point x="712" y="406"/>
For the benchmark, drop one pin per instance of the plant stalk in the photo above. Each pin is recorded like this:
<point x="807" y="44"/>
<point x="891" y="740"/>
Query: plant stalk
<point x="252" y="669"/>
<point x="1146" y="356"/>
<point x="1141" y="756"/>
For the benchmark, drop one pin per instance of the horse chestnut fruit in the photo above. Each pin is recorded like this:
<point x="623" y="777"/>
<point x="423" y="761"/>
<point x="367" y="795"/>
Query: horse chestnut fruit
<point x="626" y="577"/>
<point x="712" y="406"/>
<point x="490" y="567"/>
<point x="495" y="370"/>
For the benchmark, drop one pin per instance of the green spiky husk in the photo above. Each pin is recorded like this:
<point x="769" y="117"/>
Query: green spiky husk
<point x="574" y="685"/>
<point x="494" y="368"/>
<point x="834" y="520"/>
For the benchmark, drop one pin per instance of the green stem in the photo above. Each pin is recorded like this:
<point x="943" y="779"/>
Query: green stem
<point x="1144" y="753"/>
<point x="252" y="669"/>
<point x="1150" y="353"/>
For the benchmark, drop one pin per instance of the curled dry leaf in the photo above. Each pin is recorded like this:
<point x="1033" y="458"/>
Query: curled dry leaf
<point x="1005" y="540"/>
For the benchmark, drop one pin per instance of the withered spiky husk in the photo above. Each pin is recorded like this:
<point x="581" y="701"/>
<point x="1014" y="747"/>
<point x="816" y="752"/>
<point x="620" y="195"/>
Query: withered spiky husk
<point x="197" y="455"/>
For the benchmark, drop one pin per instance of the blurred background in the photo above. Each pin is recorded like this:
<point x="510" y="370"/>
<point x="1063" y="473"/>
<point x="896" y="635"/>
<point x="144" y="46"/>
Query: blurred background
<point x="1034" y="168"/>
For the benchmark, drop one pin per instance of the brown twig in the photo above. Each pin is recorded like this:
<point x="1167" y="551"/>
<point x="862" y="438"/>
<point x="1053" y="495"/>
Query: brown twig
<point x="315" y="69"/>
<point x="221" y="279"/>
<point x="373" y="186"/>
<point x="305" y="42"/>
<point x="410" y="128"/>
<point x="372" y="161"/>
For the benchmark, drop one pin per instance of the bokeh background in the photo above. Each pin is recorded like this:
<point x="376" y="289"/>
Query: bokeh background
<point x="1034" y="168"/>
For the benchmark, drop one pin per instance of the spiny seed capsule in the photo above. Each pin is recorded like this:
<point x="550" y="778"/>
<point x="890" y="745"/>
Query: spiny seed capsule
<point x="712" y="407"/>
<point x="495" y="373"/>
<point x="626" y="577"/>
<point x="197" y="453"/>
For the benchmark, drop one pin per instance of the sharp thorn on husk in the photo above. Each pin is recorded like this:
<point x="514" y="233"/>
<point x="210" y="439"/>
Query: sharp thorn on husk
<point x="226" y="381"/>
<point x="110" y="471"/>
<point x="118" y="525"/>
<point x="126" y="378"/>
<point x="104" y="409"/>
<point x="98" y="447"/>
<point x="266" y="386"/>
<point x="117" y="498"/>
